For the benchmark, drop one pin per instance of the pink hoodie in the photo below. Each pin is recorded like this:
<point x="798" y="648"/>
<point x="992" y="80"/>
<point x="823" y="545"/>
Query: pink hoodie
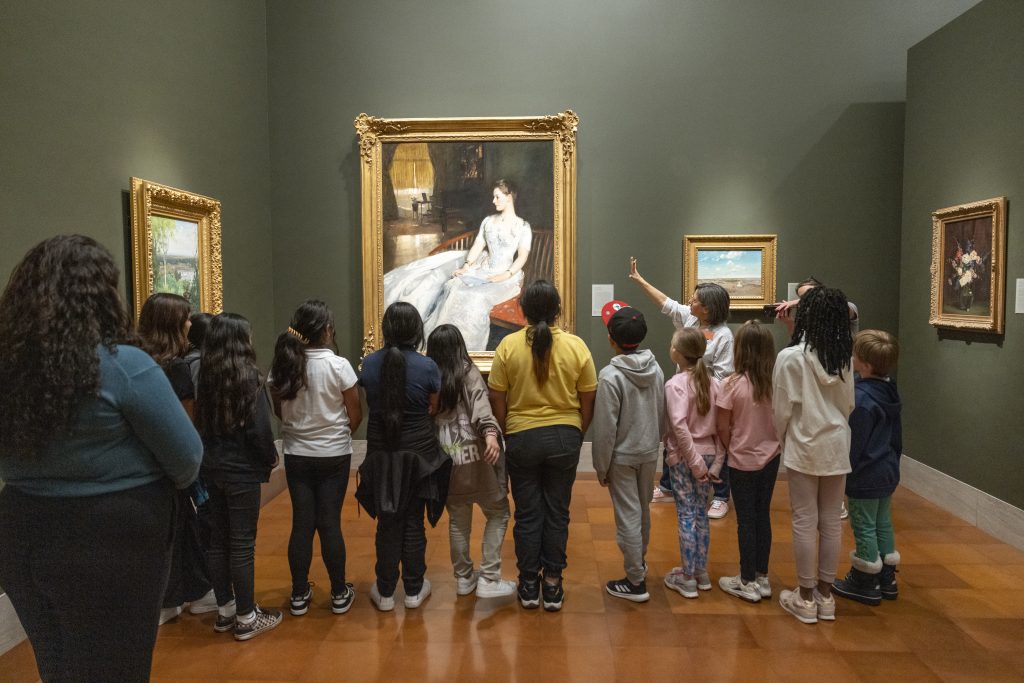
<point x="688" y="434"/>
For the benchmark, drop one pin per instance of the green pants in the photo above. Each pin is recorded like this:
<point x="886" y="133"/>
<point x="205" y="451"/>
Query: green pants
<point x="871" y="519"/>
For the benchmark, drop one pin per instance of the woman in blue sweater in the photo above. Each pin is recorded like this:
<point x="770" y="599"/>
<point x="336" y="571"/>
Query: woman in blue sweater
<point x="93" y="443"/>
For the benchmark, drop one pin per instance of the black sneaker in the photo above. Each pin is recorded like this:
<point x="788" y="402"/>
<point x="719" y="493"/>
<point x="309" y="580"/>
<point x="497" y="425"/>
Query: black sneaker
<point x="342" y="602"/>
<point x="553" y="596"/>
<point x="529" y="593"/>
<point x="264" y="620"/>
<point x="626" y="589"/>
<point x="300" y="603"/>
<point x="224" y="624"/>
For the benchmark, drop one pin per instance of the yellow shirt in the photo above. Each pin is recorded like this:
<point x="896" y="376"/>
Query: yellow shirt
<point x="556" y="402"/>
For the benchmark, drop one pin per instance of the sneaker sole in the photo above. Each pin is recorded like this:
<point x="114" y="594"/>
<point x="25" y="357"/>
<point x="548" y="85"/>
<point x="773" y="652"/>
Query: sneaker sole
<point x="383" y="608"/>
<point x="643" y="597"/>
<point x="485" y="595"/>
<point x="253" y="634"/>
<point x="681" y="591"/>
<point x="741" y="595"/>
<point x="801" y="618"/>
<point x="889" y="596"/>
<point x="552" y="606"/>
<point x="342" y="610"/>
<point x="298" y="612"/>
<point x="530" y="604"/>
<point x="224" y="629"/>
<point x="462" y="591"/>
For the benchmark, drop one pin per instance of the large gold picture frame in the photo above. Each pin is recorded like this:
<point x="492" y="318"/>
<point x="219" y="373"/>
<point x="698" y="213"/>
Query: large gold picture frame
<point x="743" y="264"/>
<point x="175" y="246"/>
<point x="428" y="190"/>
<point x="968" y="272"/>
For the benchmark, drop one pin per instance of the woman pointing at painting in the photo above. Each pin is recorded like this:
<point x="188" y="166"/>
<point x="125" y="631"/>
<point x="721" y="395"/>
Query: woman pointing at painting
<point x="461" y="288"/>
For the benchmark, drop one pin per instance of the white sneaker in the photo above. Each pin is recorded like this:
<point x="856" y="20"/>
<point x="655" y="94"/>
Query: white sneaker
<point x="660" y="496"/>
<point x="843" y="511"/>
<point x="494" y="588"/>
<point x="763" y="586"/>
<point x="207" y="603"/>
<point x="379" y="601"/>
<point x="465" y="586"/>
<point x="804" y="610"/>
<point x="414" y="601"/>
<point x="826" y="606"/>
<point x="168" y="613"/>
<point x="704" y="581"/>
<point x="718" y="509"/>
<point x="734" y="585"/>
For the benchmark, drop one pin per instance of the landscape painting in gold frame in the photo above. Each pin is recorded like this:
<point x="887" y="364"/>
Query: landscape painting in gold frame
<point x="175" y="246"/>
<point x="968" y="273"/>
<point x="433" y="189"/>
<point x="743" y="264"/>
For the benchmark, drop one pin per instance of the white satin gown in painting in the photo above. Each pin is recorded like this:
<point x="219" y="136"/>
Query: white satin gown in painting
<point x="465" y="301"/>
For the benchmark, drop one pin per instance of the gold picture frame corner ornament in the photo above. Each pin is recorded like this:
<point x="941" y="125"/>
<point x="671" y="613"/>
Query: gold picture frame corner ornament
<point x="747" y="292"/>
<point x="151" y="200"/>
<point x="968" y="267"/>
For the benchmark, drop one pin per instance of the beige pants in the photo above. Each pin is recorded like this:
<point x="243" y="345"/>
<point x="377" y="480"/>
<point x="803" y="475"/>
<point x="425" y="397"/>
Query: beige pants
<point x="460" y="528"/>
<point x="817" y="529"/>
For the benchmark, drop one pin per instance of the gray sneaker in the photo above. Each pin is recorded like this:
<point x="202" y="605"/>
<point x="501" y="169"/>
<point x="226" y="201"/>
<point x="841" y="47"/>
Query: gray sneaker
<point x="734" y="585"/>
<point x="682" y="585"/>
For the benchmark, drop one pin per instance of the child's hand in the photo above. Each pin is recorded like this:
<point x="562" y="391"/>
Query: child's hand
<point x="714" y="479"/>
<point x="603" y="482"/>
<point x="492" y="449"/>
<point x="704" y="478"/>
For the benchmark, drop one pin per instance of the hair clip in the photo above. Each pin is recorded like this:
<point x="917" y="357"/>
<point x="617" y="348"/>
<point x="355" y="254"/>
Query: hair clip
<point x="298" y="335"/>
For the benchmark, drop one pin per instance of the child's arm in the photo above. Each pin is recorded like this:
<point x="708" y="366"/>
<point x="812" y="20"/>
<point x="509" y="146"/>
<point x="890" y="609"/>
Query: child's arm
<point x="606" y="418"/>
<point x="481" y="417"/>
<point x="782" y="402"/>
<point x="723" y="424"/>
<point x="353" y="407"/>
<point x="860" y="434"/>
<point x="499" y="406"/>
<point x="258" y="432"/>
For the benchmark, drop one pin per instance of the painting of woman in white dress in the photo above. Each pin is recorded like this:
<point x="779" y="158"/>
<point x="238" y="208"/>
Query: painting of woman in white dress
<point x="462" y="286"/>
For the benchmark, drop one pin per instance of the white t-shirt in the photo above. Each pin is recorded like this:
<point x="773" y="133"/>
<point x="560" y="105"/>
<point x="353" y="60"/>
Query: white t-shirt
<point x="315" y="423"/>
<point x="718" y="354"/>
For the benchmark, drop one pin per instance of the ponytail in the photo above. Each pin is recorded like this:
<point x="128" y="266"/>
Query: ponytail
<point x="701" y="382"/>
<point x="392" y="382"/>
<point x="310" y="322"/>
<point x="541" y="305"/>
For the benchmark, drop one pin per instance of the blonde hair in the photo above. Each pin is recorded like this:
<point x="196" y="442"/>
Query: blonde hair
<point x="754" y="358"/>
<point x="690" y="343"/>
<point x="877" y="348"/>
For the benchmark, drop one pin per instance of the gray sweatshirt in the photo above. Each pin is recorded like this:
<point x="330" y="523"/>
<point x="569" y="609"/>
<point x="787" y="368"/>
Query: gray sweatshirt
<point x="628" y="412"/>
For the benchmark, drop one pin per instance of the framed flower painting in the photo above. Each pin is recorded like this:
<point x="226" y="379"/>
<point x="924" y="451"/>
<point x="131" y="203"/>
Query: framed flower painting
<point x="968" y="273"/>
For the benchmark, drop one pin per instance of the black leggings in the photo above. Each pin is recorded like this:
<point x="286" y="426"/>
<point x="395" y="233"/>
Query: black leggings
<point x="317" y="487"/>
<point x="752" y="498"/>
<point x="86" y="576"/>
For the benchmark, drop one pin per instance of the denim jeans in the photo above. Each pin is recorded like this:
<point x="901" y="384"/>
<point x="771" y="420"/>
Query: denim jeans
<point x="402" y="540"/>
<point x="234" y="510"/>
<point x="721" y="488"/>
<point x="460" y="529"/>
<point x="752" y="498"/>
<point x="542" y="469"/>
<point x="317" y="488"/>
<point x="86" y="576"/>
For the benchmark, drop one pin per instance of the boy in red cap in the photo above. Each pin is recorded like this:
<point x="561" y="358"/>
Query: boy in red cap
<point x="628" y="415"/>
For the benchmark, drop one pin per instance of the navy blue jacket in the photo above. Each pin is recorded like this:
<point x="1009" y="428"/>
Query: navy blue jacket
<point x="876" y="440"/>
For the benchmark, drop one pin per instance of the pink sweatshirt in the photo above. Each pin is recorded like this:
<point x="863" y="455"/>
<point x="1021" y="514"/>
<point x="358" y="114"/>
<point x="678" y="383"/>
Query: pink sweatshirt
<point x="688" y="434"/>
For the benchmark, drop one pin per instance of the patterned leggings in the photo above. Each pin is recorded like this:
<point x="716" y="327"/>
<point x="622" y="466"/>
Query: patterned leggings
<point x="692" y="511"/>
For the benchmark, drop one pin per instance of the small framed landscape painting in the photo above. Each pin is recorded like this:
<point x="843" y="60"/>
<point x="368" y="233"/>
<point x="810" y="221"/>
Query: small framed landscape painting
<point x="175" y="246"/>
<point x="968" y="275"/>
<point x="743" y="264"/>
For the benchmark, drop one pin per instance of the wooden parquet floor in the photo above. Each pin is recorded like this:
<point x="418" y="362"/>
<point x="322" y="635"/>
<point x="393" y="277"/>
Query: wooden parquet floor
<point x="960" y="615"/>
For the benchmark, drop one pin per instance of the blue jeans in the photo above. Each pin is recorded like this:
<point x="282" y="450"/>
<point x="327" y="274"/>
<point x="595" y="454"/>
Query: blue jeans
<point x="542" y="469"/>
<point x="234" y="510"/>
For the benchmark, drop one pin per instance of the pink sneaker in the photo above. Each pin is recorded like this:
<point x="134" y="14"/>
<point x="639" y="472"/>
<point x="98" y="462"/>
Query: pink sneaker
<point x="718" y="509"/>
<point x="660" y="496"/>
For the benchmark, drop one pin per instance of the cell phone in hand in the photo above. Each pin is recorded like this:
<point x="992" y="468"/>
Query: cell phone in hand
<point x="769" y="310"/>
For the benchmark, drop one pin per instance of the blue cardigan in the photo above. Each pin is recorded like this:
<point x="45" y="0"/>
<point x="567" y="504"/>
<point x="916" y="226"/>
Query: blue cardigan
<point x="134" y="432"/>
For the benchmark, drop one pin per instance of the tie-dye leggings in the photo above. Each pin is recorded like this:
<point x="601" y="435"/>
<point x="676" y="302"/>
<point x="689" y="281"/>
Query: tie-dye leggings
<point x="692" y="500"/>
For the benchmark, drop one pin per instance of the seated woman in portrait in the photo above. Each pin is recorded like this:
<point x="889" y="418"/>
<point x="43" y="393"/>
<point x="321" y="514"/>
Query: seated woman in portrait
<point x="460" y="287"/>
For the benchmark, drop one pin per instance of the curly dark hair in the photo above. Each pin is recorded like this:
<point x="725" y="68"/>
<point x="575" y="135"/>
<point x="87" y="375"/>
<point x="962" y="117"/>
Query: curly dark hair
<point x="162" y="327"/>
<point x="61" y="303"/>
<point x="823" y="325"/>
<point x="229" y="380"/>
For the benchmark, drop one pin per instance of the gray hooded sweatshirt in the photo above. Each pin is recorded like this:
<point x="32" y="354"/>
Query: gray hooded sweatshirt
<point x="629" y="412"/>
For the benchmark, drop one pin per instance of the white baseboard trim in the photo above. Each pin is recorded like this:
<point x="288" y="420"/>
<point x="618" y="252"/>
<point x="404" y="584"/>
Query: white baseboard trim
<point x="992" y="515"/>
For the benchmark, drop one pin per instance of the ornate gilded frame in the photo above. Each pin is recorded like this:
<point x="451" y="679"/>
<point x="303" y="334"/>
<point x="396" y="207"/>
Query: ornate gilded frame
<point x="149" y="199"/>
<point x="945" y="249"/>
<point x="559" y="129"/>
<point x="765" y="244"/>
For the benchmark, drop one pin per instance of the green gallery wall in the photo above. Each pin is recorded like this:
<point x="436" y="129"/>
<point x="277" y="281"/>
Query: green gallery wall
<point x="94" y="92"/>
<point x="697" y="117"/>
<point x="964" y="392"/>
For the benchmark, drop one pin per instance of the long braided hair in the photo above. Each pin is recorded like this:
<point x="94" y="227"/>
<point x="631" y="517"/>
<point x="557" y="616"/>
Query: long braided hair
<point x="823" y="325"/>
